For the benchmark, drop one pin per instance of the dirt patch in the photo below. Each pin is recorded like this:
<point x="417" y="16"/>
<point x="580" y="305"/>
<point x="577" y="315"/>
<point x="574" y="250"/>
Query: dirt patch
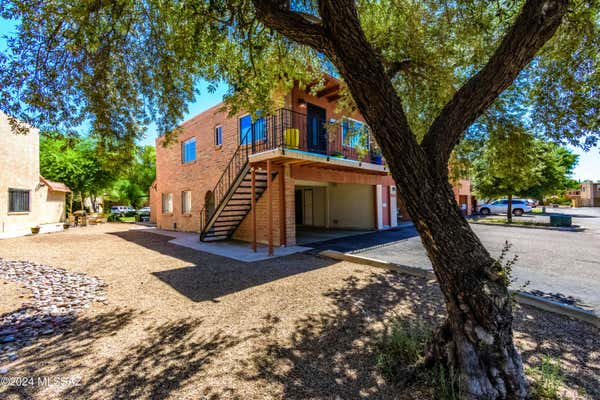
<point x="180" y="324"/>
<point x="12" y="295"/>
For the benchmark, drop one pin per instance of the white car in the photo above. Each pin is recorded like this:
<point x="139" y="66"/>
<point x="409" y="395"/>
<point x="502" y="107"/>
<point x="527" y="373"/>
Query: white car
<point x="144" y="210"/>
<point x="120" y="209"/>
<point x="519" y="207"/>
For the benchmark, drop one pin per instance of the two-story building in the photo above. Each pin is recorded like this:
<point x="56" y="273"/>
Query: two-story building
<point x="26" y="198"/>
<point x="588" y="194"/>
<point x="263" y="180"/>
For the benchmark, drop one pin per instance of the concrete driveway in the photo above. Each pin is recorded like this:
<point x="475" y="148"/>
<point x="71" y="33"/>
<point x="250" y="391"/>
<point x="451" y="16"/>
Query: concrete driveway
<point x="562" y="265"/>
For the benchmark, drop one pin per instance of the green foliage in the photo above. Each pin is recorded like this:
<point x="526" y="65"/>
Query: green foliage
<point x="508" y="163"/>
<point x="445" y="383"/>
<point x="134" y="182"/>
<point x="77" y="162"/>
<point x="124" y="64"/>
<point x="547" y="378"/>
<point x="401" y="347"/>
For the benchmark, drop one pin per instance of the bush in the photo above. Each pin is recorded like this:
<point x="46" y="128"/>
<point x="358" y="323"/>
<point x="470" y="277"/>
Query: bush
<point x="131" y="214"/>
<point x="402" y="347"/>
<point x="547" y="380"/>
<point x="112" y="218"/>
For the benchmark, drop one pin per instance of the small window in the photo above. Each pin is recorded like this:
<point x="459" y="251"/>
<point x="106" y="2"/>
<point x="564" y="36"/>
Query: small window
<point x="186" y="202"/>
<point x="355" y="133"/>
<point x="252" y="131"/>
<point x="18" y="200"/>
<point x="167" y="202"/>
<point x="218" y="135"/>
<point x="188" y="150"/>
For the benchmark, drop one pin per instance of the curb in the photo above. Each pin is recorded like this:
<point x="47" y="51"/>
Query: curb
<point x="546" y="228"/>
<point x="521" y="297"/>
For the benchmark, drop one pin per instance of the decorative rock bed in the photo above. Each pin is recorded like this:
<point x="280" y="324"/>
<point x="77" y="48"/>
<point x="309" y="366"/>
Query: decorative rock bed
<point x="58" y="297"/>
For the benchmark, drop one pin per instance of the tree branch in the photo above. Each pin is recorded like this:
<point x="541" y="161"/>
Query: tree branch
<point x="534" y="26"/>
<point x="299" y="27"/>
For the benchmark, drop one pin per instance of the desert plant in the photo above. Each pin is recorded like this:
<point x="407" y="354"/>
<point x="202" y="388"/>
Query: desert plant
<point x="547" y="378"/>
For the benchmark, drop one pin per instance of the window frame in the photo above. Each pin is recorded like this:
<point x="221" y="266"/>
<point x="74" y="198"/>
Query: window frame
<point x="170" y="203"/>
<point x="183" y="202"/>
<point x="218" y="135"/>
<point x="259" y="122"/>
<point x="184" y="152"/>
<point x="355" y="121"/>
<point x="10" y="203"/>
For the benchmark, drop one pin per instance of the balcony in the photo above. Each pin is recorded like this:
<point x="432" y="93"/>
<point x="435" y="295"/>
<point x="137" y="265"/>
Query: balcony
<point x="290" y="130"/>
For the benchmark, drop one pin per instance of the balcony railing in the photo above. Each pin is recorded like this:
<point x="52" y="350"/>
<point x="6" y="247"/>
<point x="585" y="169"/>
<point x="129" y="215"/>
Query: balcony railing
<point x="288" y="129"/>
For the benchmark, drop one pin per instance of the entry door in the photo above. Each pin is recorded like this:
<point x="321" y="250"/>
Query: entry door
<point x="316" y="138"/>
<point x="385" y="204"/>
<point x="308" y="207"/>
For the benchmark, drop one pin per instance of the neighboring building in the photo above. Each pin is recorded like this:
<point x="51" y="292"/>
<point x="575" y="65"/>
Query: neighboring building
<point x="26" y="198"/>
<point x="463" y="195"/>
<point x="204" y="183"/>
<point x="589" y="194"/>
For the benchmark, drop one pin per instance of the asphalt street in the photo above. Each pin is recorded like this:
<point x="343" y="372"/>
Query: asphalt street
<point x="561" y="265"/>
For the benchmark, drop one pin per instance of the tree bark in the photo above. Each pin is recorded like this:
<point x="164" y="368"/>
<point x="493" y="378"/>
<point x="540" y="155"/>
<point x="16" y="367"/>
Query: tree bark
<point x="477" y="337"/>
<point x="509" y="209"/>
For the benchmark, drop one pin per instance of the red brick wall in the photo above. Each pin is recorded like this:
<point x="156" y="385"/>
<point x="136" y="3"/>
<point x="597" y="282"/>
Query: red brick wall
<point x="244" y="231"/>
<point x="198" y="176"/>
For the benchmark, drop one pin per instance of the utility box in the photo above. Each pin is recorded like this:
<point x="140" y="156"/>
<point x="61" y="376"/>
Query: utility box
<point x="560" y="220"/>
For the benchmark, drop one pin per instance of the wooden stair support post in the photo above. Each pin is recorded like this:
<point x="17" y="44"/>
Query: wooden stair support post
<point x="282" y="221"/>
<point x="253" y="207"/>
<point x="269" y="208"/>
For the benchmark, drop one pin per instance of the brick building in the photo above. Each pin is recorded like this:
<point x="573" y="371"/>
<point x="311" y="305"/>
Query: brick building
<point x="307" y="165"/>
<point x="588" y="195"/>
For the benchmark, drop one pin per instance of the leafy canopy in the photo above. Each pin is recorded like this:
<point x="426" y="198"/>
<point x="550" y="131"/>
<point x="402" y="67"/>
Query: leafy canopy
<point x="123" y="64"/>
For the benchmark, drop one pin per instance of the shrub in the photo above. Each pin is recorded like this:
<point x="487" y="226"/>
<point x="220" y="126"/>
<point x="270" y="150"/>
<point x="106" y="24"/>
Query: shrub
<point x="131" y="214"/>
<point x="402" y="347"/>
<point x="547" y="378"/>
<point x="112" y="218"/>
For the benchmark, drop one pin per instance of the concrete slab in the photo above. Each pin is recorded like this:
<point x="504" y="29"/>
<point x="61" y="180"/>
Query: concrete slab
<point x="240" y="251"/>
<point x="307" y="235"/>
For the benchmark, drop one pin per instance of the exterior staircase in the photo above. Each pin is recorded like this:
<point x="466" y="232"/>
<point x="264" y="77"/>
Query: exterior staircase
<point x="235" y="205"/>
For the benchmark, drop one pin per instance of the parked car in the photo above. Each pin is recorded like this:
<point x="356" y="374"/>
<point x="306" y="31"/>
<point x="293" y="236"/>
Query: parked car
<point x="121" y="210"/>
<point x="144" y="210"/>
<point x="532" y="202"/>
<point x="519" y="207"/>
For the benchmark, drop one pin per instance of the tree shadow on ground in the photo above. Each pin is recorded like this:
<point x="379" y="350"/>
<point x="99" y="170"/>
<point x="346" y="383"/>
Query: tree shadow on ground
<point x="155" y="367"/>
<point x="65" y="351"/>
<point x="333" y="354"/>
<point x="210" y="276"/>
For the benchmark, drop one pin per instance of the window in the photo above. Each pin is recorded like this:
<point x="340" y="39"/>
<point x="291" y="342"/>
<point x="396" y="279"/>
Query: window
<point x="167" y="203"/>
<point x="186" y="202"/>
<point x="188" y="150"/>
<point x="249" y="130"/>
<point x="354" y="133"/>
<point x="218" y="135"/>
<point x="18" y="200"/>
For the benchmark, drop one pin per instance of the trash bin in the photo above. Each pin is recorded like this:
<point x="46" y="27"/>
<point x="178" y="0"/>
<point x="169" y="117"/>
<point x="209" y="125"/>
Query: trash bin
<point x="560" y="220"/>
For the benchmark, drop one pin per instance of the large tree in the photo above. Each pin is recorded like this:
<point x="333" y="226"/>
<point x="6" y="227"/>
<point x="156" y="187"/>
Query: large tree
<point x="419" y="72"/>
<point x="508" y="165"/>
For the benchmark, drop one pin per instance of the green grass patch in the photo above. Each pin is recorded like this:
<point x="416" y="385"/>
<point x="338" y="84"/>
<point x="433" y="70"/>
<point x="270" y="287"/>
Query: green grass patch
<point x="126" y="219"/>
<point x="503" y="221"/>
<point x="402" y="348"/>
<point x="547" y="378"/>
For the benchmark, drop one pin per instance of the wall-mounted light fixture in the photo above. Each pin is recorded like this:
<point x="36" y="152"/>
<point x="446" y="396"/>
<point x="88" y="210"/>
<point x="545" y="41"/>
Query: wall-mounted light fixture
<point x="301" y="103"/>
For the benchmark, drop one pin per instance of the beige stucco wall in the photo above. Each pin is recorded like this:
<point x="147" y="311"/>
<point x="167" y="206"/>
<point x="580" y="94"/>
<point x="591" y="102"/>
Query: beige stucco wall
<point x="351" y="206"/>
<point x="20" y="169"/>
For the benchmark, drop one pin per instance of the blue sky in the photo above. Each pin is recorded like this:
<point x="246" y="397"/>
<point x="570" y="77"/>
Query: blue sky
<point x="588" y="167"/>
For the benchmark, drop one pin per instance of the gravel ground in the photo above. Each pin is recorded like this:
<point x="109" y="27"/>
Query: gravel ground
<point x="180" y="324"/>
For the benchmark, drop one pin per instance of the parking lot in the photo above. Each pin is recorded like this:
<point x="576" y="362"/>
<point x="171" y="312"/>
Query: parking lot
<point x="559" y="264"/>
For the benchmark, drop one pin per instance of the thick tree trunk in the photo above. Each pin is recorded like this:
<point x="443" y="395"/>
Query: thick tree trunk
<point x="509" y="209"/>
<point x="477" y="337"/>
